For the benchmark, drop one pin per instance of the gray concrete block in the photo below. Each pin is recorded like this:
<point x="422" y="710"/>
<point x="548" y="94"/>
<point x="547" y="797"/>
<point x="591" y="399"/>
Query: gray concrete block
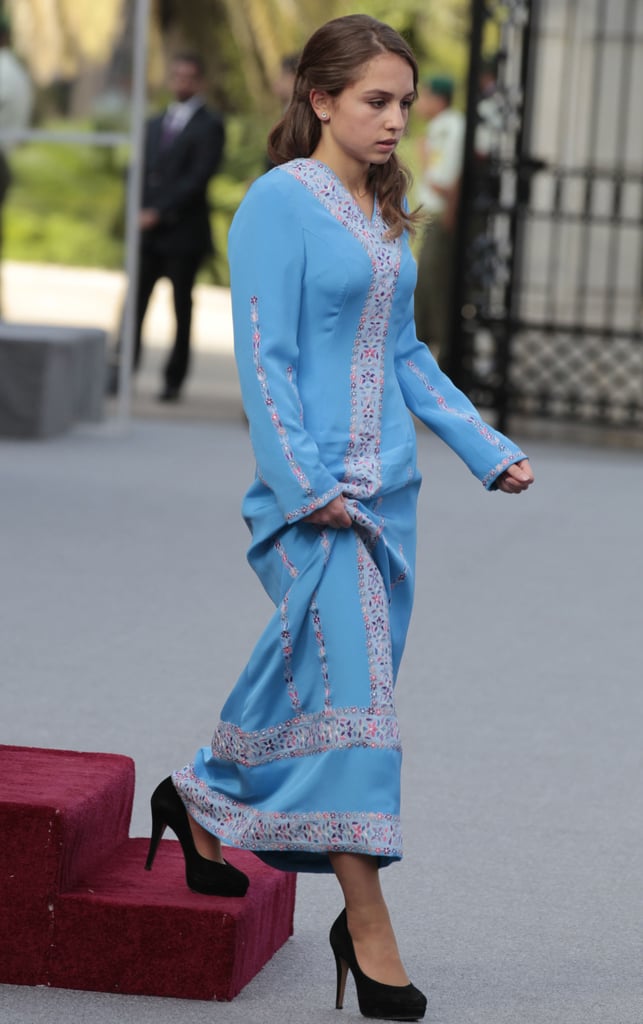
<point x="49" y="378"/>
<point x="91" y="357"/>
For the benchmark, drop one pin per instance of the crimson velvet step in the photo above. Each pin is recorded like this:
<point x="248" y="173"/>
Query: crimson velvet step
<point x="78" y="909"/>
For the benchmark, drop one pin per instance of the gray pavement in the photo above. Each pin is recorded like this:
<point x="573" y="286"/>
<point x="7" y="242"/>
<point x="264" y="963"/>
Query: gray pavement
<point x="127" y="610"/>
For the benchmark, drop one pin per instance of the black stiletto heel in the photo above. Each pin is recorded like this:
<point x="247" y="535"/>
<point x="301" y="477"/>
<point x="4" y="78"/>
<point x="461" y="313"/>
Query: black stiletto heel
<point x="202" y="875"/>
<point x="381" y="1002"/>
<point x="342" y="974"/>
<point x="158" y="828"/>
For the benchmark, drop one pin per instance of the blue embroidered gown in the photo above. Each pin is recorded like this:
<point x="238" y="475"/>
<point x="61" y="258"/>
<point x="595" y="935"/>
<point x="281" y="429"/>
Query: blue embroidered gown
<point x="306" y="758"/>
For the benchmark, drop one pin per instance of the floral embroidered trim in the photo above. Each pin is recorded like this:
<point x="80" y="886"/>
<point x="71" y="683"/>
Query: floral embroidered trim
<point x="321" y="649"/>
<point x="281" y="551"/>
<point x="486" y="432"/>
<point x="401" y="577"/>
<point x="324" y="540"/>
<point x="286" y="638"/>
<point x="501" y="466"/>
<point x="374" y="600"/>
<point x="369" y="530"/>
<point x="290" y="374"/>
<point x="287" y="651"/>
<point x="282" y="433"/>
<point x="247" y="827"/>
<point x="362" y="464"/>
<point x="323" y="499"/>
<point x="331" y="729"/>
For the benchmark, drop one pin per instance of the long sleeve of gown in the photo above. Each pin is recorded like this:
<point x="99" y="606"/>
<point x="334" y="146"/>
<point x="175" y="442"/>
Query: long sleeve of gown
<point x="445" y="410"/>
<point x="267" y="258"/>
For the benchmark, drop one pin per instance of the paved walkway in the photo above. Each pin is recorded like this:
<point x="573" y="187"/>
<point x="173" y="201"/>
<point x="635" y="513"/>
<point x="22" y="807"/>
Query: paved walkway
<point x="127" y="610"/>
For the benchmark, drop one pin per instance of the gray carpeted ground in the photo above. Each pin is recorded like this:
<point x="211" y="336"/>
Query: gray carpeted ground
<point x="127" y="610"/>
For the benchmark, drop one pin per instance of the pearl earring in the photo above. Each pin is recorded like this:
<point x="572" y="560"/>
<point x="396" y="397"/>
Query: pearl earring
<point x="324" y="115"/>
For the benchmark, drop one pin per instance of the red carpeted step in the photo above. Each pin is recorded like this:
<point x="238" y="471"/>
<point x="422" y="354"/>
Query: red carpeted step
<point x="129" y="930"/>
<point x="62" y="813"/>
<point x="80" y="911"/>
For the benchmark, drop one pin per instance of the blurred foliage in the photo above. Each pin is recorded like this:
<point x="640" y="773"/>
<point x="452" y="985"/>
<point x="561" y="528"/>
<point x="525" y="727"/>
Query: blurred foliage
<point x="63" y="206"/>
<point x="82" y="46"/>
<point x="243" y="40"/>
<point x="57" y="38"/>
<point x="66" y="204"/>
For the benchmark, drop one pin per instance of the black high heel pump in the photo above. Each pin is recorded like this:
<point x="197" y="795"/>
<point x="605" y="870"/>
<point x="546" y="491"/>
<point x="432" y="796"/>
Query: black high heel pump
<point x="382" y="1002"/>
<point x="202" y="875"/>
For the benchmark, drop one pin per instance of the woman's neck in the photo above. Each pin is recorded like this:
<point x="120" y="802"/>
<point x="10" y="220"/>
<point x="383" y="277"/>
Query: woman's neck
<point x="353" y="176"/>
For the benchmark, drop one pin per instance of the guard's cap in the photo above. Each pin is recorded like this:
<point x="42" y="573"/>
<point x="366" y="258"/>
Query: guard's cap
<point x="440" y="85"/>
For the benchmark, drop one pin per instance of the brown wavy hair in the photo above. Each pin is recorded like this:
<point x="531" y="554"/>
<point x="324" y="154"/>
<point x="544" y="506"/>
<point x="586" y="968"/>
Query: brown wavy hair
<point x="332" y="59"/>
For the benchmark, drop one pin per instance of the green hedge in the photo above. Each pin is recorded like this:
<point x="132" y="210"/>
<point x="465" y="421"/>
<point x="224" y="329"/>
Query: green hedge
<point x="66" y="202"/>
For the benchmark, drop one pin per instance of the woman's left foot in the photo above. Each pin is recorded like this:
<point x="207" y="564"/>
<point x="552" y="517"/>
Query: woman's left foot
<point x="206" y="844"/>
<point x="202" y="874"/>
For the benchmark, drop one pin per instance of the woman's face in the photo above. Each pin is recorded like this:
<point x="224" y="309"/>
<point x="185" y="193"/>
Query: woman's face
<point x="367" y="120"/>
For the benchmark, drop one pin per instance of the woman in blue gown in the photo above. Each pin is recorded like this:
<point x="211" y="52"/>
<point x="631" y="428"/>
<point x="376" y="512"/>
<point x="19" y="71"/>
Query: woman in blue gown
<point x="304" y="765"/>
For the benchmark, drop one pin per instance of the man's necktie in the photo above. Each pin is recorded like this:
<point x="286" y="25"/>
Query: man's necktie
<point x="169" y="131"/>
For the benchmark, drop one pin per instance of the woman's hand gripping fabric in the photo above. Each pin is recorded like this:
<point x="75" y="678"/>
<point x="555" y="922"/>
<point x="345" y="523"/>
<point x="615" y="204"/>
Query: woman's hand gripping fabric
<point x="333" y="514"/>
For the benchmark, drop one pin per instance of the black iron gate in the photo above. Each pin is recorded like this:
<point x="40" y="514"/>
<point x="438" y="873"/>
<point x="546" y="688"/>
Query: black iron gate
<point x="547" y="313"/>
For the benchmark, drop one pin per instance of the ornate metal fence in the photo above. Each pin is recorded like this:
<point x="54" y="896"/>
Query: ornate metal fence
<point x="547" y="315"/>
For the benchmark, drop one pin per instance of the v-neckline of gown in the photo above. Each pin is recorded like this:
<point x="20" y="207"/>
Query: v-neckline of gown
<point x="369" y="220"/>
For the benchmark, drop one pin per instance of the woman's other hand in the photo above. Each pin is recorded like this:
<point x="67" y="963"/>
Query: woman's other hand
<point x="516" y="478"/>
<point x="333" y="514"/>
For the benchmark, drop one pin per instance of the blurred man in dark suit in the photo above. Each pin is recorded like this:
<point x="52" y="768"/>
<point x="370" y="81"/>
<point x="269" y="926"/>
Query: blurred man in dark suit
<point x="183" y="149"/>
